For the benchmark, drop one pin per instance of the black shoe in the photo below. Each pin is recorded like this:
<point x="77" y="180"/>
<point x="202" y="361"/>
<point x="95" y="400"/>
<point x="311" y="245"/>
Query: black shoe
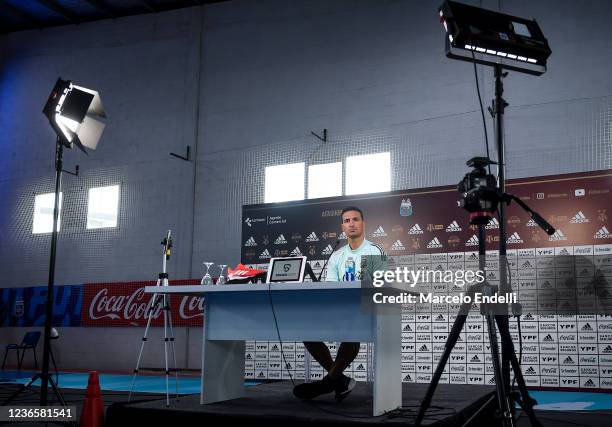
<point x="344" y="386"/>
<point x="315" y="388"/>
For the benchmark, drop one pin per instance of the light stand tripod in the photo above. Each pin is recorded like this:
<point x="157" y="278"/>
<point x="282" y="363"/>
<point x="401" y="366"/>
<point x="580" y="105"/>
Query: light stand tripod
<point x="481" y="197"/>
<point x="165" y="301"/>
<point x="44" y="375"/>
<point x="504" y="402"/>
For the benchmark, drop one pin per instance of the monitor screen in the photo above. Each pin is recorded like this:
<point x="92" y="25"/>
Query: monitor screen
<point x="286" y="269"/>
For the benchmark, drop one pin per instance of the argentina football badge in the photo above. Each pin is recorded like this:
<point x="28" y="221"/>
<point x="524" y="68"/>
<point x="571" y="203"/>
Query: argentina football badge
<point x="406" y="207"/>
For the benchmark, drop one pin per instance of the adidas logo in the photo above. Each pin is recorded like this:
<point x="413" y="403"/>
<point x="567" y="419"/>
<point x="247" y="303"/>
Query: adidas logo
<point x="264" y="254"/>
<point x="492" y="224"/>
<point x="515" y="238"/>
<point x="261" y="375"/>
<point x="472" y="241"/>
<point x="423" y="348"/>
<point x="280" y="240"/>
<point x="528" y="316"/>
<point x="557" y="236"/>
<point x="249" y="357"/>
<point x="407" y="328"/>
<point x="328" y="250"/>
<point x="435" y="243"/>
<point x="360" y="367"/>
<point x="564" y="252"/>
<point x="492" y="380"/>
<point x="527" y="264"/>
<point x="250" y="242"/>
<point x="379" y="232"/>
<point x="475" y="359"/>
<point x="569" y="360"/>
<point x="473" y="257"/>
<point x="440" y="317"/>
<point x="416" y="229"/>
<point x="546" y="285"/>
<point x="397" y="246"/>
<point x="531" y="223"/>
<point x="608" y="349"/>
<point x="587" y="327"/>
<point x="589" y="383"/>
<point x="407" y="378"/>
<point x="453" y="226"/>
<point x="274" y="347"/>
<point x="296" y="252"/>
<point x="312" y="237"/>
<point x="548" y="338"/>
<point x="530" y="370"/>
<point x="579" y="218"/>
<point x="342" y="236"/>
<point x="603" y="233"/>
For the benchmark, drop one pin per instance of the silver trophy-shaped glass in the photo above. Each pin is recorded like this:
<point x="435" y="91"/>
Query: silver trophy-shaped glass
<point x="221" y="279"/>
<point x="207" y="279"/>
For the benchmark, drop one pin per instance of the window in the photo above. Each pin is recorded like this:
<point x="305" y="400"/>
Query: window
<point x="102" y="207"/>
<point x="284" y="183"/>
<point x="325" y="180"/>
<point x="43" y="213"/>
<point x="368" y="173"/>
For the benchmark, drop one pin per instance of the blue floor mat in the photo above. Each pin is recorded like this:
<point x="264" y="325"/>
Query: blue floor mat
<point x="571" y="401"/>
<point x="113" y="382"/>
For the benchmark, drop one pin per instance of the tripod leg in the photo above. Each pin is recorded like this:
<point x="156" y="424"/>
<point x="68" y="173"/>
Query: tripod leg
<point x="527" y="402"/>
<point x="21" y="390"/>
<point x="166" y="349"/>
<point x="173" y="348"/>
<point x="504" y="323"/>
<point x="448" y="347"/>
<point x="144" y="340"/>
<point x="502" y="396"/>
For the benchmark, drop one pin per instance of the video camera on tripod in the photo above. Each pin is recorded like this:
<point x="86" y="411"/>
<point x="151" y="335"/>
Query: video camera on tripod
<point x="481" y="196"/>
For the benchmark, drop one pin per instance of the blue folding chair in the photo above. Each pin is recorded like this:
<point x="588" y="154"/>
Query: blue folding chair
<point x="30" y="341"/>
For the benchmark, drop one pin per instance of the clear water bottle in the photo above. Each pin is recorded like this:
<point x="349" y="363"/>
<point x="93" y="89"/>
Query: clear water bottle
<point x="349" y="270"/>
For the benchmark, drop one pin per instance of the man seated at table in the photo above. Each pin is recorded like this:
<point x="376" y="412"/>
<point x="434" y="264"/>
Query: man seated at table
<point x="353" y="225"/>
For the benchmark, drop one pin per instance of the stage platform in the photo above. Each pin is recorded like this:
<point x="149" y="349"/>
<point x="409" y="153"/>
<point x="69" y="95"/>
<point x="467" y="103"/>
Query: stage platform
<point x="273" y="404"/>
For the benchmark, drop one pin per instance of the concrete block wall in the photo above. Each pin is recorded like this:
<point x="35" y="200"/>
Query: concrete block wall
<point x="244" y="83"/>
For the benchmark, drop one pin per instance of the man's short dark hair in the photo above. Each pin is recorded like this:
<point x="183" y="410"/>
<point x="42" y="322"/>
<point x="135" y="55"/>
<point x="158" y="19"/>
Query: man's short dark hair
<point x="352" y="208"/>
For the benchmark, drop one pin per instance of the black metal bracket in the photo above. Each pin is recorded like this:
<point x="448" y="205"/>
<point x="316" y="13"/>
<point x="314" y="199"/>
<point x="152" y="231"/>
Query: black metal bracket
<point x="186" y="157"/>
<point x="322" y="138"/>
<point x="75" y="173"/>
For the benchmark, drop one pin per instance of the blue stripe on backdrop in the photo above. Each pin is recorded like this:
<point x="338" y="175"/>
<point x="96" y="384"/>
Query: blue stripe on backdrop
<point x="26" y="306"/>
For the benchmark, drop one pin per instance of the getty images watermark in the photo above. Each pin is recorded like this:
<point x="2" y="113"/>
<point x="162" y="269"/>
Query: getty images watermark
<point x="544" y="285"/>
<point x="414" y="277"/>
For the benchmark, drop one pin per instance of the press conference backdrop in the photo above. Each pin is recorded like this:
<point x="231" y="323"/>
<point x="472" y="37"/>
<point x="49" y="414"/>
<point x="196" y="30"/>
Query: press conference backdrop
<point x="426" y="228"/>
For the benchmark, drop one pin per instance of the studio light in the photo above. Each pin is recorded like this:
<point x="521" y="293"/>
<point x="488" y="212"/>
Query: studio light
<point x="488" y="37"/>
<point x="74" y="112"/>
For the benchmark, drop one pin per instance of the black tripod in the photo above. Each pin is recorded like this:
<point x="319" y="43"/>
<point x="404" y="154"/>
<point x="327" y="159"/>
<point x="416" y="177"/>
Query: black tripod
<point x="44" y="375"/>
<point x="504" y="401"/>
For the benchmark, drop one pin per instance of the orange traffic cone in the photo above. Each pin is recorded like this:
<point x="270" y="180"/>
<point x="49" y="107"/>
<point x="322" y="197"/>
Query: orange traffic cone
<point x="93" y="407"/>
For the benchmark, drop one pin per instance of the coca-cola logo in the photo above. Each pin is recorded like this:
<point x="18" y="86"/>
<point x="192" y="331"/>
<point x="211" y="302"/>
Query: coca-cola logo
<point x="191" y="307"/>
<point x="136" y="306"/>
<point x="128" y="307"/>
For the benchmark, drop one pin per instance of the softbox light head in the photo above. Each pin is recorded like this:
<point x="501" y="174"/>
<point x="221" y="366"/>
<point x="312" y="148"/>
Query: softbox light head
<point x="493" y="38"/>
<point x="74" y="112"/>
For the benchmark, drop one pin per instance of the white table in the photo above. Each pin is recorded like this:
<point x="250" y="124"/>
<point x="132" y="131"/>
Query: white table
<point x="324" y="311"/>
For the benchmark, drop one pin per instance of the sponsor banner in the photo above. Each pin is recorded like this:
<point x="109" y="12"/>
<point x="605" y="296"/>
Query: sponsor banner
<point x="26" y="306"/>
<point x="126" y="304"/>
